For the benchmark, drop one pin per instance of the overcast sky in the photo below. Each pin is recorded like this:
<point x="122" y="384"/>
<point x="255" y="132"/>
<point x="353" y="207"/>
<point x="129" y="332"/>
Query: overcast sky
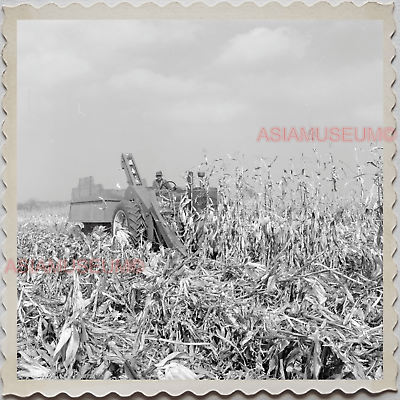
<point x="171" y="92"/>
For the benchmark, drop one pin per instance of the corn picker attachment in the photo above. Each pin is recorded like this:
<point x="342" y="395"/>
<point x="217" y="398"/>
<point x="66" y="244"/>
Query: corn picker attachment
<point x="138" y="207"/>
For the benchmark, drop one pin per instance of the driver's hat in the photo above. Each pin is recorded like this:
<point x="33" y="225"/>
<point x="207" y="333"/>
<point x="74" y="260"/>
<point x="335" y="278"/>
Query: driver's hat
<point x="158" y="173"/>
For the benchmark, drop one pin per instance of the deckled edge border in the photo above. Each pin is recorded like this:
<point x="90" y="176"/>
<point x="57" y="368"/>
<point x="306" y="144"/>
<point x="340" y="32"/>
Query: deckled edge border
<point x="274" y="10"/>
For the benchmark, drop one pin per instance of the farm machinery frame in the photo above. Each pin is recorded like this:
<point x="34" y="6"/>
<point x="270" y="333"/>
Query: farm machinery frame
<point x="137" y="208"/>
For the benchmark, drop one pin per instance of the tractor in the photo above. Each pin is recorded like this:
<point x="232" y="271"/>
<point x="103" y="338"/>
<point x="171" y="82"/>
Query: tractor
<point x="143" y="211"/>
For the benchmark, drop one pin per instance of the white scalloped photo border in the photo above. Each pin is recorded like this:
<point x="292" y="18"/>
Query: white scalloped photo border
<point x="225" y="11"/>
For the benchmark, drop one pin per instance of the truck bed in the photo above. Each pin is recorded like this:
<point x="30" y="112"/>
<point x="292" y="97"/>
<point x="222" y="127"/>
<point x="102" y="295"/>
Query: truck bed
<point x="91" y="203"/>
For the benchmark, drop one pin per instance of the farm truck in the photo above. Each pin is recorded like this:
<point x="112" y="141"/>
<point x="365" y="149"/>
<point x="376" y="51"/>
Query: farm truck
<point x="138" y="208"/>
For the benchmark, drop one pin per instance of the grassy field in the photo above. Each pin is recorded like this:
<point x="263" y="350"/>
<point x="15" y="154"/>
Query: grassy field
<point x="287" y="284"/>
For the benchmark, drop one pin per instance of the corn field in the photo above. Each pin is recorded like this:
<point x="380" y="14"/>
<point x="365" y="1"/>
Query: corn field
<point x="284" y="280"/>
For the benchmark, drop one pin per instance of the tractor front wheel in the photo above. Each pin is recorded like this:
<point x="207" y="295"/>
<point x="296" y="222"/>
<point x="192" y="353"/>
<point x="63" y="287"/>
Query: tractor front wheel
<point x="128" y="216"/>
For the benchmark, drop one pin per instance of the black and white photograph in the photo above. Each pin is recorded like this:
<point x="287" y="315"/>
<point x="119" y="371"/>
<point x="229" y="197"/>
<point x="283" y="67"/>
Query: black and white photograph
<point x="200" y="199"/>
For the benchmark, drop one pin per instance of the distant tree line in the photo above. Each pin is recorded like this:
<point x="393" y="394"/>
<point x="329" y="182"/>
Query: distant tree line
<point x="33" y="204"/>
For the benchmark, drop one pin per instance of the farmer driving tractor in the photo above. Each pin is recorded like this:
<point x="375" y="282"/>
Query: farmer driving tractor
<point x="160" y="184"/>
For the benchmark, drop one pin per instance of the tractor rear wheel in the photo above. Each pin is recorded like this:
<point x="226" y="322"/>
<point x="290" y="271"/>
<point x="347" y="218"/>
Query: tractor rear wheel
<point x="128" y="216"/>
